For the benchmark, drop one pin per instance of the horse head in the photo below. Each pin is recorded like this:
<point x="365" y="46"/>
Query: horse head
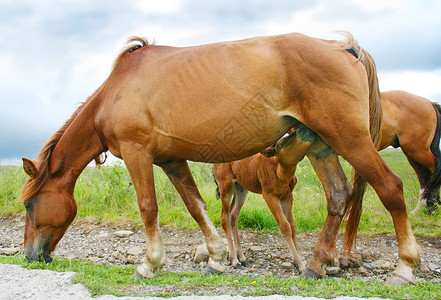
<point x="49" y="212"/>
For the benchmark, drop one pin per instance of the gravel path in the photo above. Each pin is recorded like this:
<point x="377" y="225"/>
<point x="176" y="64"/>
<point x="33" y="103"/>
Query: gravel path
<point x="19" y="283"/>
<point x="124" y="244"/>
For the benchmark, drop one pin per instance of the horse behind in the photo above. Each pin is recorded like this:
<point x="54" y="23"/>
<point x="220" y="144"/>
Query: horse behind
<point x="215" y="103"/>
<point x="414" y="124"/>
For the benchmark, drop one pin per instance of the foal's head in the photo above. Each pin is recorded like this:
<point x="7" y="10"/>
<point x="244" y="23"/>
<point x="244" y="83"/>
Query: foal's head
<point x="50" y="209"/>
<point x="291" y="148"/>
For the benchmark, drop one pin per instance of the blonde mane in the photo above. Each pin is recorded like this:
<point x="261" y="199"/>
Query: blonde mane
<point x="34" y="184"/>
<point x="140" y="42"/>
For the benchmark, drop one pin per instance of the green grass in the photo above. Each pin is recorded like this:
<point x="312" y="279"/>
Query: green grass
<point x="100" y="280"/>
<point x="107" y="193"/>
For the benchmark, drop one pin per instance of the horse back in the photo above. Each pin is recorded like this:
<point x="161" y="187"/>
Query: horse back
<point x="187" y="101"/>
<point x="409" y="121"/>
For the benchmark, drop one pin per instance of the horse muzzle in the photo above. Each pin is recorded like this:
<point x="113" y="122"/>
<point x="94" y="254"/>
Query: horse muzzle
<point x="39" y="252"/>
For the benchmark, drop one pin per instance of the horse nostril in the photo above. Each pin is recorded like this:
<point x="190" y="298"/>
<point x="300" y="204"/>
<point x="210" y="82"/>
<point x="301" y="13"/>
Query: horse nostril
<point x="47" y="258"/>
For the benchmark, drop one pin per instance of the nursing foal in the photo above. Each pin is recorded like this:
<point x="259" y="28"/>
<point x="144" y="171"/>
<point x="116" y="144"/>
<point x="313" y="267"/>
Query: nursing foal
<point x="272" y="174"/>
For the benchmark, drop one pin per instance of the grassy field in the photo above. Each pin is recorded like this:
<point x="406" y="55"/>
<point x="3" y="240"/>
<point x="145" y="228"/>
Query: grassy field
<point x="108" y="193"/>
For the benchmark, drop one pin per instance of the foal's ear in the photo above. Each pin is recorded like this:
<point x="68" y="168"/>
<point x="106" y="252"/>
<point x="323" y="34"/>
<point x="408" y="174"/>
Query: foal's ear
<point x="268" y="152"/>
<point x="29" y="167"/>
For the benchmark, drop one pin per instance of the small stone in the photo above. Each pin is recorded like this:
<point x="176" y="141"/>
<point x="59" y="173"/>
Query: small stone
<point x="130" y="260"/>
<point x="135" y="251"/>
<point x="433" y="267"/>
<point x="123" y="233"/>
<point x="424" y="268"/>
<point x="384" y="265"/>
<point x="332" y="270"/>
<point x="344" y="262"/>
<point x="8" y="251"/>
<point x="93" y="259"/>
<point x="355" y="260"/>
<point x="201" y="254"/>
<point x="369" y="266"/>
<point x="295" y="288"/>
<point x="286" y="265"/>
<point x="257" y="249"/>
<point x="103" y="235"/>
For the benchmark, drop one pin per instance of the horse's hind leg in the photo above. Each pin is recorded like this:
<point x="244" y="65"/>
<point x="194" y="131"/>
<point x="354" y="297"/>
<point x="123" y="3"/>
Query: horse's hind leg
<point x="337" y="189"/>
<point x="140" y="168"/>
<point x="180" y="175"/>
<point x="366" y="160"/>
<point x="423" y="163"/>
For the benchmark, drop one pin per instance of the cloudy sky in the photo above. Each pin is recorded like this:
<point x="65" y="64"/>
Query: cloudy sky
<point x="55" y="53"/>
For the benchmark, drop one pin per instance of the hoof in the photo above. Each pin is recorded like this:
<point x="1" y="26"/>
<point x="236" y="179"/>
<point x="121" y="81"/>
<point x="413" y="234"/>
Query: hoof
<point x="237" y="266"/>
<point x="144" y="271"/>
<point x="310" y="274"/>
<point x="137" y="275"/>
<point x="210" y="271"/>
<point x="400" y="280"/>
<point x="246" y="263"/>
<point x="219" y="267"/>
<point x="301" y="268"/>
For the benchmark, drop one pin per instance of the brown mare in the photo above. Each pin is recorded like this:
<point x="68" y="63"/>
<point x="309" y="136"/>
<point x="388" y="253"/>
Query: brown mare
<point x="215" y="103"/>
<point x="271" y="173"/>
<point x="414" y="124"/>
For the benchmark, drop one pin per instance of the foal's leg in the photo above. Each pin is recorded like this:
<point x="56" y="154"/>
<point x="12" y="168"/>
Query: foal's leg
<point x="337" y="190"/>
<point x="226" y="191"/>
<point x="180" y="175"/>
<point x="286" y="227"/>
<point x="240" y="195"/>
<point x="140" y="168"/>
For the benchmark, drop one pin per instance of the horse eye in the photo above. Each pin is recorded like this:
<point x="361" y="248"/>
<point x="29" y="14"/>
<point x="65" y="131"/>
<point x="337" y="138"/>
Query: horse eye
<point x="28" y="204"/>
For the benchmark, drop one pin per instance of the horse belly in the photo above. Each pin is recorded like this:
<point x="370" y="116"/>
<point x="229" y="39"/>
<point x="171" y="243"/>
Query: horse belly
<point x="223" y="137"/>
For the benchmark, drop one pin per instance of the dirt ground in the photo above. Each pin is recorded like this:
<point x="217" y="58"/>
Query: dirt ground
<point x="100" y="242"/>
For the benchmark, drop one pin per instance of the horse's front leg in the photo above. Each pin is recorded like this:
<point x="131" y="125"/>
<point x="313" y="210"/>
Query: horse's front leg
<point x="140" y="168"/>
<point x="180" y="175"/>
<point x="327" y="167"/>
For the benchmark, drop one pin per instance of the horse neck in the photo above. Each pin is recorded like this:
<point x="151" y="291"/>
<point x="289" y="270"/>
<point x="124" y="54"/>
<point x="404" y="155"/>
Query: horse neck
<point x="285" y="172"/>
<point x="77" y="147"/>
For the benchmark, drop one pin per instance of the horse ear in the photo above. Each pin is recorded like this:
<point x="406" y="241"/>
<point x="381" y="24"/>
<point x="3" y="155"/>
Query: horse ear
<point x="268" y="152"/>
<point x="29" y="167"/>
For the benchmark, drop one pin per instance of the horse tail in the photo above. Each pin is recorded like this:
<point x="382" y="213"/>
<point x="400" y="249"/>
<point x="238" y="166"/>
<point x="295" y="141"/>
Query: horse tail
<point x="354" y="206"/>
<point x="431" y="191"/>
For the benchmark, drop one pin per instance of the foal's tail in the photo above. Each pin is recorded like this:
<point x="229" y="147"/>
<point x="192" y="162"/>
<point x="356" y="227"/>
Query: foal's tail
<point x="354" y="206"/>
<point x="431" y="191"/>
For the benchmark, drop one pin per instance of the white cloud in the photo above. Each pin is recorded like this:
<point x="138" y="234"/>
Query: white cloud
<point x="425" y="84"/>
<point x="160" y="7"/>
